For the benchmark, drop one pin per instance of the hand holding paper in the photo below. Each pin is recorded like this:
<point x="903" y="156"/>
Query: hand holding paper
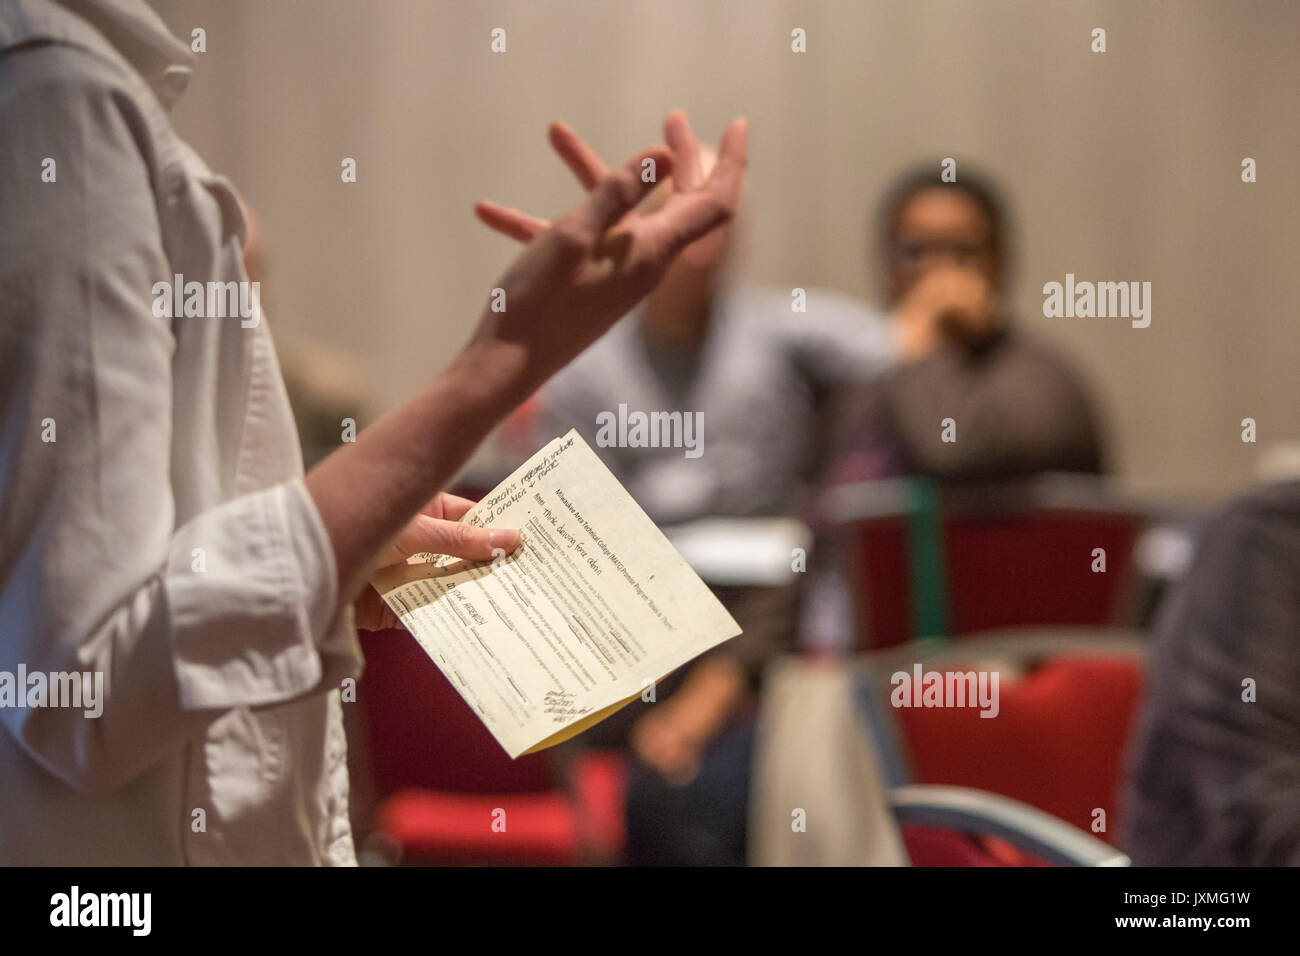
<point x="437" y="529"/>
<point x="592" y="608"/>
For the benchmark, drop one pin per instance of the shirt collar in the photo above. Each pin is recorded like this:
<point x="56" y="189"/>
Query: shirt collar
<point x="143" y="40"/>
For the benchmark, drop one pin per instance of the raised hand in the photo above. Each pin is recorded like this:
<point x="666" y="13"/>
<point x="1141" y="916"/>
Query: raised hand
<point x="579" y="274"/>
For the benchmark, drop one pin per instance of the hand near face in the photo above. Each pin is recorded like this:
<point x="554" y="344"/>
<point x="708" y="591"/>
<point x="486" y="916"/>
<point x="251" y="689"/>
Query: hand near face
<point x="949" y="303"/>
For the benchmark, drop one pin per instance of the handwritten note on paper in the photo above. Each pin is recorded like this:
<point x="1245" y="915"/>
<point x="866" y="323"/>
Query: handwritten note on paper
<point x="592" y="608"/>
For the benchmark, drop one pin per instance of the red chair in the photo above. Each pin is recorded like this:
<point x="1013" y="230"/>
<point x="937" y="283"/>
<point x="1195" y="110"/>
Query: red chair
<point x="926" y="562"/>
<point x="1035" y="569"/>
<point x="881" y="580"/>
<point x="447" y="791"/>
<point x="1057" y="743"/>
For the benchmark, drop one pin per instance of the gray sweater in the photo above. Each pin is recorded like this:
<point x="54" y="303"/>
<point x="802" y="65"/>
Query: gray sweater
<point x="1017" y="408"/>
<point x="1215" y="779"/>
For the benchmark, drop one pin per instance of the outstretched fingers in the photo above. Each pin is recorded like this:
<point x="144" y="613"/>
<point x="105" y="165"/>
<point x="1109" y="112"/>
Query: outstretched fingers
<point x="578" y="156"/>
<point x="728" y="175"/>
<point x="686" y="151"/>
<point x="695" y="209"/>
<point x="510" y="222"/>
<point x="690" y="215"/>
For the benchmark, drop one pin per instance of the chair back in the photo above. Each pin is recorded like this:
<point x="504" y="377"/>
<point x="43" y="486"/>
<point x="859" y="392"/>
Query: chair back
<point x="925" y="561"/>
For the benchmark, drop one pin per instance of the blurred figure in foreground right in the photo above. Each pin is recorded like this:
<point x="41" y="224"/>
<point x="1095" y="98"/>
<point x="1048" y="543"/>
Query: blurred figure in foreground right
<point x="1215" y="779"/>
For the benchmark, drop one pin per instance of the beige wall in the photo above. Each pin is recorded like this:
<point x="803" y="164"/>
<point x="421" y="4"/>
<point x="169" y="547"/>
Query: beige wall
<point x="1122" y="166"/>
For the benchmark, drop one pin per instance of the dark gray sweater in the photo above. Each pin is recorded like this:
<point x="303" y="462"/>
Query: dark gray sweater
<point x="1215" y="780"/>
<point x="1018" y="409"/>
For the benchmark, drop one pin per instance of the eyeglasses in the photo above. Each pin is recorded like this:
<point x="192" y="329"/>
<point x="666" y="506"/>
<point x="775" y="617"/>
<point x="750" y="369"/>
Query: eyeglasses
<point x="912" y="252"/>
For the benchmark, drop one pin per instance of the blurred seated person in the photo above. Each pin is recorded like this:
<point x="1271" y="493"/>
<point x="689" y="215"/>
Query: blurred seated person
<point x="1019" y="408"/>
<point x="1215" y="774"/>
<point x="758" y="377"/>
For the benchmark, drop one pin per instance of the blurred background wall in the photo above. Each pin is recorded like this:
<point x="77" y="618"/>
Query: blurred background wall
<point x="1120" y="166"/>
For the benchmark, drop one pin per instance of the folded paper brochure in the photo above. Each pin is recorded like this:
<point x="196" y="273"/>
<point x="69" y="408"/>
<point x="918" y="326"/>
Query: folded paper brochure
<point x="593" y="608"/>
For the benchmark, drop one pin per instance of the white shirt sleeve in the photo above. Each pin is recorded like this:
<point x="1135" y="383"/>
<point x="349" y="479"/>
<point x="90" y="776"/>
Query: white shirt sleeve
<point x="236" y="607"/>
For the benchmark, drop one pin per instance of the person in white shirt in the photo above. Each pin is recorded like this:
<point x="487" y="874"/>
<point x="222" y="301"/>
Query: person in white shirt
<point x="156" y="530"/>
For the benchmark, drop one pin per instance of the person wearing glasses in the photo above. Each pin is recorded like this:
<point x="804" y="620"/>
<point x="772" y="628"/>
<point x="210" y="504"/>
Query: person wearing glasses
<point x="1017" y="407"/>
<point x="1008" y="405"/>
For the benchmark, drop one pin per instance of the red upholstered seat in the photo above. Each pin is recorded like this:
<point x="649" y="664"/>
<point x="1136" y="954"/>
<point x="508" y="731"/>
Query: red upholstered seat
<point x="443" y="780"/>
<point x="932" y="846"/>
<point x="1057" y="743"/>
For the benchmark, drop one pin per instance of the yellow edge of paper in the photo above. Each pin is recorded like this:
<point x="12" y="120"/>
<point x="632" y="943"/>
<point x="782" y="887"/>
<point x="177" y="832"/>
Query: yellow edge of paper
<point x="589" y="721"/>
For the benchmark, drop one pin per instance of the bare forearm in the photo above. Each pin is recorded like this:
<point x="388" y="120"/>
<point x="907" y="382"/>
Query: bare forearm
<point x="368" y="490"/>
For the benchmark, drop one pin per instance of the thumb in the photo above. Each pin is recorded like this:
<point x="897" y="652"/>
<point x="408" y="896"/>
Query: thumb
<point x="461" y="540"/>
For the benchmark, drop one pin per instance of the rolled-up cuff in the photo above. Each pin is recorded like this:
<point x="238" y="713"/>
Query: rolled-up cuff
<point x="253" y="592"/>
